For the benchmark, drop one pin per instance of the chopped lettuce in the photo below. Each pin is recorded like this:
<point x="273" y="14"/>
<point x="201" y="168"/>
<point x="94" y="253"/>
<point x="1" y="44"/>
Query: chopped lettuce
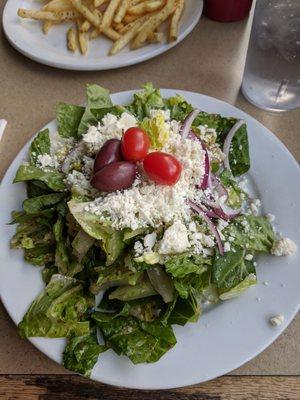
<point x="183" y="264"/>
<point x="157" y="130"/>
<point x="59" y="311"/>
<point x="114" y="276"/>
<point x="145" y="101"/>
<point x="82" y="352"/>
<point x="140" y="290"/>
<point x="53" y="179"/>
<point x="111" y="240"/>
<point x="36" y="204"/>
<point x="254" y="233"/>
<point x="182" y="311"/>
<point x="39" y="146"/>
<point x="142" y="342"/>
<point x="68" y="118"/>
<point x="232" y="273"/>
<point x="97" y="97"/>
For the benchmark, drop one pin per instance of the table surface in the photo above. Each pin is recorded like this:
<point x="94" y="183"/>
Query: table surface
<point x="209" y="61"/>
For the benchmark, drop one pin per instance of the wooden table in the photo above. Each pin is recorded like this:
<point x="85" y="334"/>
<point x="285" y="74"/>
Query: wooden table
<point x="209" y="61"/>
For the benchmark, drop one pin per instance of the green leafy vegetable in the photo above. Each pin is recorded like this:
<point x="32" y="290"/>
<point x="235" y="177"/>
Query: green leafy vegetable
<point x="82" y="352"/>
<point x="232" y="271"/>
<point x="111" y="239"/>
<point x="254" y="233"/>
<point x="140" y="290"/>
<point x="140" y="341"/>
<point x="97" y="97"/>
<point x="36" y="204"/>
<point x="39" y="146"/>
<point x="146" y="100"/>
<point x="53" y="179"/>
<point x="68" y="117"/>
<point x="183" y="264"/>
<point x="182" y="311"/>
<point x="59" y="311"/>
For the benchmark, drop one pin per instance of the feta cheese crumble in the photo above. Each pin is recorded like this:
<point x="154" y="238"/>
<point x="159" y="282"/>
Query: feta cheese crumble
<point x="111" y="127"/>
<point x="148" y="204"/>
<point x="175" y="239"/>
<point x="284" y="247"/>
<point x="45" y="161"/>
<point x="277" y="320"/>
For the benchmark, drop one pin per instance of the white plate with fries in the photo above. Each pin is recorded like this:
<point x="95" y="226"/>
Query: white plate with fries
<point x="91" y="35"/>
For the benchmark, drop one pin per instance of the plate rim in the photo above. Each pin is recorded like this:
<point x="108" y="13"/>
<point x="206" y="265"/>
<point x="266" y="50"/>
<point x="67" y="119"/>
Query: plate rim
<point x="252" y="355"/>
<point x="9" y="34"/>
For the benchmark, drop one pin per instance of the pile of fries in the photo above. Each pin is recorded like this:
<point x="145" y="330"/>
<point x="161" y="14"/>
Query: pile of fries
<point x="134" y="22"/>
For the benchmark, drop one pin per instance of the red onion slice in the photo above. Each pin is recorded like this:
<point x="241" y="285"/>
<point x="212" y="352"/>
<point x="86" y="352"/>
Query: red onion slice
<point x="187" y="124"/>
<point x="215" y="184"/>
<point x="212" y="227"/>
<point x="228" y="140"/>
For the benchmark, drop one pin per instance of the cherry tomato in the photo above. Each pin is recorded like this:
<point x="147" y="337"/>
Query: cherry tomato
<point x="135" y="144"/>
<point x="162" y="168"/>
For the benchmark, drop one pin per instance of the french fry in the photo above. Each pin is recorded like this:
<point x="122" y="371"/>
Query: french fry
<point x="85" y="26"/>
<point x="129" y="26"/>
<point x="147" y="6"/>
<point x="86" y="13"/>
<point x="94" y="34"/>
<point x="98" y="3"/>
<point x="71" y="40"/>
<point x="152" y="24"/>
<point x="156" y="37"/>
<point x="121" y="11"/>
<point x="117" y="27"/>
<point x="57" y="5"/>
<point x="130" y="18"/>
<point x="82" y="39"/>
<point x="109" y="13"/>
<point x="47" y="25"/>
<point x="48" y="15"/>
<point x="173" y="35"/>
<point x="126" y="38"/>
<point x="111" y="33"/>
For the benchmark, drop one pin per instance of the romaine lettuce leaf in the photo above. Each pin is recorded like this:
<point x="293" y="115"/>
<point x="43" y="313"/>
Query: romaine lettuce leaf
<point x="97" y="97"/>
<point x="157" y="130"/>
<point x="182" y="311"/>
<point x="142" y="289"/>
<point x="146" y="100"/>
<point x="68" y="118"/>
<point x="193" y="284"/>
<point x="40" y="254"/>
<point x="59" y="311"/>
<point x="39" y="146"/>
<point x="53" y="179"/>
<point x="140" y="341"/>
<point x="36" y="204"/>
<point x="232" y="271"/>
<point x="254" y="233"/>
<point x="114" y="276"/>
<point x="82" y="352"/>
<point x="111" y="240"/>
<point x="183" y="264"/>
<point x="65" y="261"/>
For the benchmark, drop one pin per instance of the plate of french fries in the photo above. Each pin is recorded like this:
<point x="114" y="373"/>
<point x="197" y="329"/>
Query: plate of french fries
<point x="97" y="34"/>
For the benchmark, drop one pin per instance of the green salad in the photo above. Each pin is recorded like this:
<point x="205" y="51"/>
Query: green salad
<point x="138" y="216"/>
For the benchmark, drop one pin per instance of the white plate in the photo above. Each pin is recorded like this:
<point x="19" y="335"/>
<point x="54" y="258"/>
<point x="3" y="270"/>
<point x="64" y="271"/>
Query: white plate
<point x="27" y="37"/>
<point x="227" y="335"/>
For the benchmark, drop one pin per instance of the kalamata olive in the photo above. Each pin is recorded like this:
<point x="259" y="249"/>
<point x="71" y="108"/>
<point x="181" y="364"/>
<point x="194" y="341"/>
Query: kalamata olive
<point x="116" y="176"/>
<point x="110" y="152"/>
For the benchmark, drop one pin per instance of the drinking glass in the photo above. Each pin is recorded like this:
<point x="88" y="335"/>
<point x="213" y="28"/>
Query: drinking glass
<point x="272" y="72"/>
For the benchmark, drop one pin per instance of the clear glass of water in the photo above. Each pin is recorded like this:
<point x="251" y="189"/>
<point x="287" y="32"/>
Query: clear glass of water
<point x="272" y="72"/>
